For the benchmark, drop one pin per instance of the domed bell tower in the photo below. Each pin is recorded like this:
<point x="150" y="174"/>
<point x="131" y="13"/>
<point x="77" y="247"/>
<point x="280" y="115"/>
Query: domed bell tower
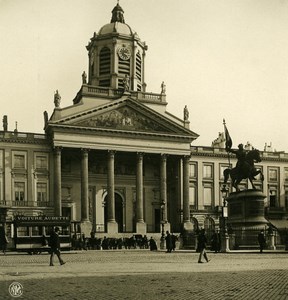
<point x="117" y="56"/>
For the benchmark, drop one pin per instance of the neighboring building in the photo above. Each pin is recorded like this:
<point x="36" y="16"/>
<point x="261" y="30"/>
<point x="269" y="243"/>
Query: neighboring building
<point x="206" y="181"/>
<point x="116" y="161"/>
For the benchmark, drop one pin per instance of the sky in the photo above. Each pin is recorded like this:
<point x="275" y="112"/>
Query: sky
<point x="222" y="58"/>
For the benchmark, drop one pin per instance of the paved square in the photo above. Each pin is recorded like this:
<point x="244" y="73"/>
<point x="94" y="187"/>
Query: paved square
<point x="141" y="274"/>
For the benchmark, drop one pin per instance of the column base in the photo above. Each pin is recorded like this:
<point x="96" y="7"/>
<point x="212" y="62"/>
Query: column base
<point x="188" y="226"/>
<point x="167" y="227"/>
<point x="141" y="228"/>
<point x="86" y="228"/>
<point x="112" y="227"/>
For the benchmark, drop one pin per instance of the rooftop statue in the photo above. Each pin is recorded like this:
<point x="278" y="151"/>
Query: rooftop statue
<point x="163" y="88"/>
<point x="57" y="99"/>
<point x="186" y="113"/>
<point x="245" y="164"/>
<point x="84" y="78"/>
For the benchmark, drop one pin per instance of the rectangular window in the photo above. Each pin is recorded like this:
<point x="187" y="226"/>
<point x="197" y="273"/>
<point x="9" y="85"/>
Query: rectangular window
<point x="192" y="194"/>
<point x="41" y="192"/>
<point x="23" y="231"/>
<point x="207" y="196"/>
<point x="286" y="174"/>
<point x="286" y="199"/>
<point x="19" y="188"/>
<point x="273" y="174"/>
<point x="273" y="198"/>
<point x="221" y="169"/>
<point x="192" y="170"/>
<point x="207" y="171"/>
<point x="19" y="161"/>
<point x="37" y="230"/>
<point x="41" y="162"/>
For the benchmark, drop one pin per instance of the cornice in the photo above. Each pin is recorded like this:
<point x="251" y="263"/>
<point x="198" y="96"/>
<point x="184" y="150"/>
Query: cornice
<point x="119" y="132"/>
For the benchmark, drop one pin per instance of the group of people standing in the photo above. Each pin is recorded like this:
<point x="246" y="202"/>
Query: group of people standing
<point x="170" y="242"/>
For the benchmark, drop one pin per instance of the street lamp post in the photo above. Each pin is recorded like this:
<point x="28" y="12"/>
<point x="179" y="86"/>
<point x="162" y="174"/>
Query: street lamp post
<point x="224" y="233"/>
<point x="162" y="240"/>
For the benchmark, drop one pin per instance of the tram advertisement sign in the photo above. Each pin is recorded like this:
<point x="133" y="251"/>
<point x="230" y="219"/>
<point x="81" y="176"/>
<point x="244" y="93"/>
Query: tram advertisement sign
<point x="41" y="219"/>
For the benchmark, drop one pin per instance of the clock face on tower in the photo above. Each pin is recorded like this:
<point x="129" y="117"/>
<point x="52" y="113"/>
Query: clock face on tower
<point x="124" y="52"/>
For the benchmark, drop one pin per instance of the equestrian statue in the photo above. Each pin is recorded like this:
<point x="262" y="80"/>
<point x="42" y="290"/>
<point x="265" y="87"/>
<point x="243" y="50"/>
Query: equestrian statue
<point x="245" y="164"/>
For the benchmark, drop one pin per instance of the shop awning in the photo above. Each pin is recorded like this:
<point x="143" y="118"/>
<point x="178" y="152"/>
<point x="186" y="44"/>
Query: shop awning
<point x="279" y="224"/>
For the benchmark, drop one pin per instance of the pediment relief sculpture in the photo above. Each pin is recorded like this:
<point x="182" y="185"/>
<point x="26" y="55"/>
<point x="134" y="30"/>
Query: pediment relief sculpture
<point x="123" y="118"/>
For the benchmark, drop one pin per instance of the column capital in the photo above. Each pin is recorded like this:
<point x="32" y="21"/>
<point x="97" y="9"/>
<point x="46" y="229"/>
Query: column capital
<point x="164" y="156"/>
<point x="85" y="150"/>
<point x="57" y="149"/>
<point x="140" y="155"/>
<point x="111" y="153"/>
<point x="186" y="158"/>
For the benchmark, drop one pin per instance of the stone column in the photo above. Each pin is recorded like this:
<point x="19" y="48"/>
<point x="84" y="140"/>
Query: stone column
<point x="163" y="191"/>
<point x="112" y="226"/>
<point x="84" y="186"/>
<point x="187" y="225"/>
<point x="140" y="225"/>
<point x="86" y="225"/>
<point x="57" y="182"/>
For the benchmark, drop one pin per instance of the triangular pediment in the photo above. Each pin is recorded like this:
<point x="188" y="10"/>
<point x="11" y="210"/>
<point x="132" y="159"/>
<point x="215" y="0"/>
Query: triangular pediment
<point x="124" y="115"/>
<point x="123" y="118"/>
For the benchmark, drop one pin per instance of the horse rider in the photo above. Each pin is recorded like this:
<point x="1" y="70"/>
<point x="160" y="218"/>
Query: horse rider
<point x="240" y="155"/>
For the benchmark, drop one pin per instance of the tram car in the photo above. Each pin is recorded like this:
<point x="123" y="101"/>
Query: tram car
<point x="32" y="233"/>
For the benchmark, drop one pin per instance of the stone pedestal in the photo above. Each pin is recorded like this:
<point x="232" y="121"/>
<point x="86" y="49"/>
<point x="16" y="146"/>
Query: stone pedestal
<point x="141" y="228"/>
<point x="112" y="227"/>
<point x="246" y="208"/>
<point x="246" y="217"/>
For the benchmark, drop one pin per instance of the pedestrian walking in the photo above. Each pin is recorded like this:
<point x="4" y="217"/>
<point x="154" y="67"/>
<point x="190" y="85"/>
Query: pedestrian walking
<point x="3" y="239"/>
<point x="55" y="246"/>
<point x="168" y="240"/>
<point x="261" y="240"/>
<point x="202" y="241"/>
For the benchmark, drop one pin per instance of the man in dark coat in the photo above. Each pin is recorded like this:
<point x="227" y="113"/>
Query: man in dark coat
<point x="55" y="246"/>
<point x="3" y="239"/>
<point x="168" y="242"/>
<point x="261" y="240"/>
<point x="202" y="241"/>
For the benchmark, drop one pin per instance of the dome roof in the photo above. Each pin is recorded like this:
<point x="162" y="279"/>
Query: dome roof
<point x="116" y="27"/>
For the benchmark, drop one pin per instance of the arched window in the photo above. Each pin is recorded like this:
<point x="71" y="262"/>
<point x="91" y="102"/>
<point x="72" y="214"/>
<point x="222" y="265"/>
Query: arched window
<point x="195" y="223"/>
<point x="209" y="226"/>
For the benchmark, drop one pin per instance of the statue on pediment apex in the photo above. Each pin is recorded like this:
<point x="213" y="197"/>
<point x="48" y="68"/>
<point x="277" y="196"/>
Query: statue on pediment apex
<point x="57" y="99"/>
<point x="186" y="113"/>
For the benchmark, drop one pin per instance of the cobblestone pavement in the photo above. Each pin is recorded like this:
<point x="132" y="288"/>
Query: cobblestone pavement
<point x="141" y="274"/>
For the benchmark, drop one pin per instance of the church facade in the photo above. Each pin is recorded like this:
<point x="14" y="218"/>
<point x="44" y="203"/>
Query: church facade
<point x="116" y="160"/>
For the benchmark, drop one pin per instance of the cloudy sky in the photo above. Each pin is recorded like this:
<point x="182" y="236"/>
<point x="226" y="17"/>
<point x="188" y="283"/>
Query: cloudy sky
<point x="222" y="58"/>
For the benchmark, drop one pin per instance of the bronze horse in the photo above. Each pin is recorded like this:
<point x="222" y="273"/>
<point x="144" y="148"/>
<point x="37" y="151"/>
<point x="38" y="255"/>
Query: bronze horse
<point x="246" y="170"/>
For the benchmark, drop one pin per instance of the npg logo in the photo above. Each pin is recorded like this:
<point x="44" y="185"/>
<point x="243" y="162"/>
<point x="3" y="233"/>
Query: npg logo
<point x="16" y="289"/>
